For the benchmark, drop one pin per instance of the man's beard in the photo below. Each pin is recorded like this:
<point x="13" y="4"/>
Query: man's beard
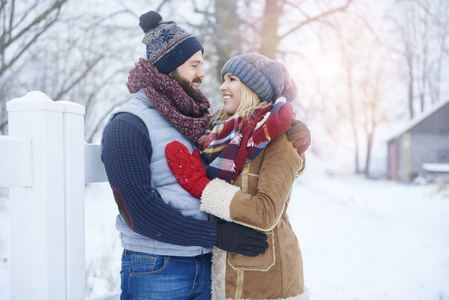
<point x="193" y="93"/>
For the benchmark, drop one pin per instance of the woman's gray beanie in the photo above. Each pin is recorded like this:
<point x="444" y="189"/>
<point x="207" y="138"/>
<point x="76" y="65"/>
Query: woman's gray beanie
<point x="268" y="78"/>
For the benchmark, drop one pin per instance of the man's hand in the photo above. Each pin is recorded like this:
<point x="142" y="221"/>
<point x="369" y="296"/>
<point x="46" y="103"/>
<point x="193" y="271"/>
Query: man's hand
<point x="299" y="134"/>
<point x="239" y="239"/>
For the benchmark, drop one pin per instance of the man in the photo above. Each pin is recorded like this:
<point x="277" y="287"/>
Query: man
<point x="167" y="240"/>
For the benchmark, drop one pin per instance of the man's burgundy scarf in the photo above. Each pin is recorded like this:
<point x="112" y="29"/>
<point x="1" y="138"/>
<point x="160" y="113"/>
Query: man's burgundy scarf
<point x="190" y="118"/>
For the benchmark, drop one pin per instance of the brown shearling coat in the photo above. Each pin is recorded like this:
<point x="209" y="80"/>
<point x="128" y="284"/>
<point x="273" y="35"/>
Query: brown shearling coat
<point x="259" y="199"/>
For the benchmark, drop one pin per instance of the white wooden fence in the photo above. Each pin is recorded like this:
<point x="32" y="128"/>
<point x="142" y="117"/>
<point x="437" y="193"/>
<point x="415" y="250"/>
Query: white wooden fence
<point x="45" y="163"/>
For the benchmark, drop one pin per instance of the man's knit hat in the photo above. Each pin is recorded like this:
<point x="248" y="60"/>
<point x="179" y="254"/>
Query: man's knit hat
<point x="168" y="45"/>
<point x="268" y="78"/>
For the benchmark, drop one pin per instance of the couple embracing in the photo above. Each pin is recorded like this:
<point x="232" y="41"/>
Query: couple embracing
<point x="203" y="199"/>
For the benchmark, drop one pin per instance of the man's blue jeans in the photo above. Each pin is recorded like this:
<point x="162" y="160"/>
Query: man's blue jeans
<point x="147" y="276"/>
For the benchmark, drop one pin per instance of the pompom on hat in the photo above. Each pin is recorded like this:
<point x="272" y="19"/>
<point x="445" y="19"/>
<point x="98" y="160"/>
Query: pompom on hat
<point x="168" y="45"/>
<point x="268" y="78"/>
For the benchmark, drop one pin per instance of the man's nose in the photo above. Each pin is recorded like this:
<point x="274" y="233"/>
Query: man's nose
<point x="200" y="73"/>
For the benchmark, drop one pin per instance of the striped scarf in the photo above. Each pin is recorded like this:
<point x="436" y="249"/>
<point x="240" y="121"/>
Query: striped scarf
<point x="234" y="142"/>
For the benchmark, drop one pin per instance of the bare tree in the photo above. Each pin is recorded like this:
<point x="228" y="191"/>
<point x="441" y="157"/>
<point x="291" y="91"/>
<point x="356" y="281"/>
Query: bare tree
<point x="373" y="100"/>
<point x="276" y="10"/>
<point x="439" y="17"/>
<point x="219" y="30"/>
<point x="77" y="55"/>
<point x="362" y="106"/>
<point x="348" y="66"/>
<point x="423" y="28"/>
<point x="22" y="26"/>
<point x="255" y="26"/>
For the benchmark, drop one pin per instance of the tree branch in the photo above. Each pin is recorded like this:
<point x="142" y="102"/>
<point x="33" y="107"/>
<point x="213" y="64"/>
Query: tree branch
<point x="103" y="118"/>
<point x="24" y="48"/>
<point x="313" y="19"/>
<point x="203" y="12"/>
<point x="5" y="44"/>
<point x="75" y="82"/>
<point x="56" y="6"/>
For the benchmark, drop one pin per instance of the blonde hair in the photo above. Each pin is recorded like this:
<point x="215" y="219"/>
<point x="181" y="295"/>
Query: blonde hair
<point x="248" y="101"/>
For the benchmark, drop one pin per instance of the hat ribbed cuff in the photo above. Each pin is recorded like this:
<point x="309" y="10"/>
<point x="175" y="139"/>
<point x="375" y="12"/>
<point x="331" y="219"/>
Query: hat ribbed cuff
<point x="173" y="58"/>
<point x="250" y="76"/>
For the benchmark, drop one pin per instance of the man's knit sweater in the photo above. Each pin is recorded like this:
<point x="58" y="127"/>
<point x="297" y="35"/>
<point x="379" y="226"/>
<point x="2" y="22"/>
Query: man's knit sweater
<point x="126" y="155"/>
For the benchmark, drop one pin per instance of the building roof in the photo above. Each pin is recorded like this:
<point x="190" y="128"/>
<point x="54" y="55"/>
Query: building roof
<point x="418" y="119"/>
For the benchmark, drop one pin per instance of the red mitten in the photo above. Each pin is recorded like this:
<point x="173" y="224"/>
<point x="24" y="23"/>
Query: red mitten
<point x="187" y="168"/>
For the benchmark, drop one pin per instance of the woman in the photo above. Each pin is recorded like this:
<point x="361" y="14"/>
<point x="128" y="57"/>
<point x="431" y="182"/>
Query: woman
<point x="250" y="174"/>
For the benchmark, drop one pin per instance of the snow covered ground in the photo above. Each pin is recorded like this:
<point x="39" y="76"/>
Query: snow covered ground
<point x="366" y="240"/>
<point x="361" y="239"/>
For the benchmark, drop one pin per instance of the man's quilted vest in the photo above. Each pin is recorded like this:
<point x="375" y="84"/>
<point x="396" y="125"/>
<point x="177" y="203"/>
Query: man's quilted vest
<point x="161" y="133"/>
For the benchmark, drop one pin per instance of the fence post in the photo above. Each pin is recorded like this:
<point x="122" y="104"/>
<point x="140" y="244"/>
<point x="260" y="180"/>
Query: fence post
<point x="47" y="219"/>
